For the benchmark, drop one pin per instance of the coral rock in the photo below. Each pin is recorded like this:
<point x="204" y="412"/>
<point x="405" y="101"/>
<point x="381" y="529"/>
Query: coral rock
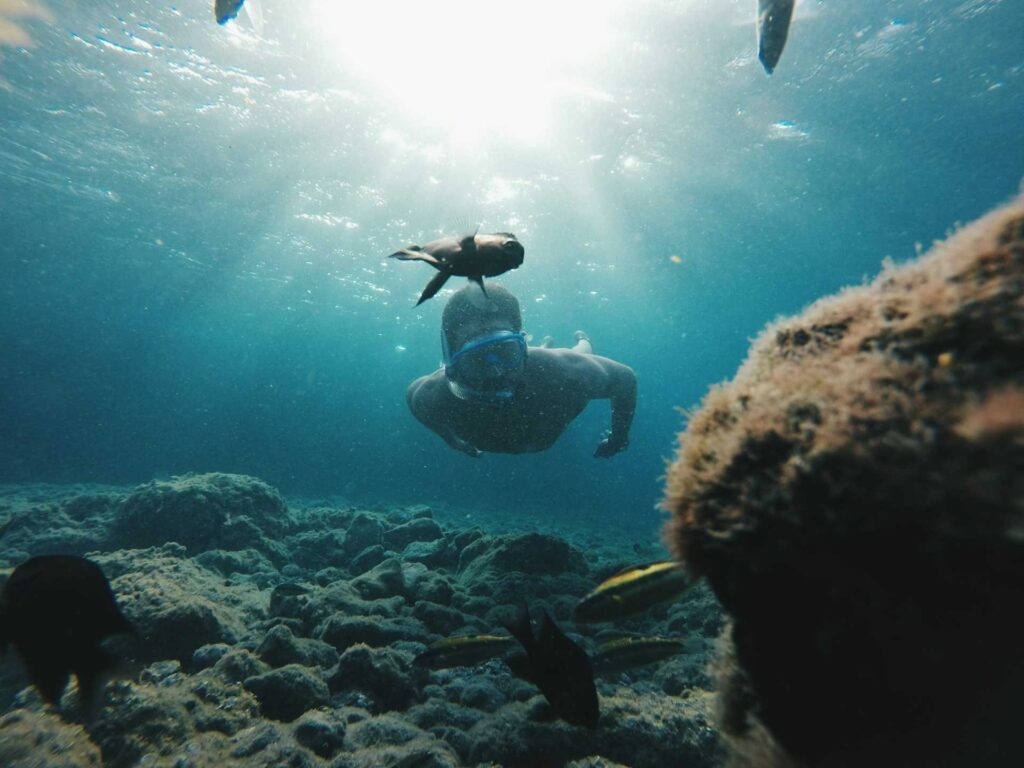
<point x="855" y="497"/>
<point x="175" y="605"/>
<point x="286" y="693"/>
<point x="40" y="740"/>
<point x="418" y="529"/>
<point x="380" y="672"/>
<point x="281" y="647"/>
<point x="321" y="732"/>
<point x="531" y="553"/>
<point x="212" y="511"/>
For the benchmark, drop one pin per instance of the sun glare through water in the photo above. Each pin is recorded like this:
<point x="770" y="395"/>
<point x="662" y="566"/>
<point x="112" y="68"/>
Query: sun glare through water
<point x="473" y="69"/>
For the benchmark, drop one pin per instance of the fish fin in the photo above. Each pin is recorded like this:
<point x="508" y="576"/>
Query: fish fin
<point x="479" y="280"/>
<point x="91" y="680"/>
<point x="49" y="679"/>
<point x="520" y="627"/>
<point x="415" y="253"/>
<point x="255" y="15"/>
<point x="550" y="632"/>
<point x="468" y="243"/>
<point x="434" y="286"/>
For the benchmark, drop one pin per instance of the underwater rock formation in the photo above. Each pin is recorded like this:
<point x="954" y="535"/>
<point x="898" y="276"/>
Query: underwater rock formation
<point x="855" y="498"/>
<point x="175" y="604"/>
<point x="303" y="655"/>
<point x="211" y="511"/>
<point x="42" y="740"/>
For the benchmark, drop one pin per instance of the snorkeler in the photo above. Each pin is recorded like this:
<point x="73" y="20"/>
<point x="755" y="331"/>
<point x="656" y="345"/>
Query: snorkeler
<point x="493" y="394"/>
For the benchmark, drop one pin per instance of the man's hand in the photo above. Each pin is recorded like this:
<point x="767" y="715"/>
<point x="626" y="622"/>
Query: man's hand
<point x="610" y="446"/>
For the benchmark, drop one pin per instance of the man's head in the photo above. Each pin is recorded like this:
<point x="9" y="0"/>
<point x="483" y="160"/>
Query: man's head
<point x="484" y="348"/>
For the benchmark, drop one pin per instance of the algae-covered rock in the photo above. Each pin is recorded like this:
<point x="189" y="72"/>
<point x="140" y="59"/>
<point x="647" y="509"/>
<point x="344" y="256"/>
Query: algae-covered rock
<point x="175" y="605"/>
<point x="382" y="673"/>
<point x="342" y="632"/>
<point x="286" y="693"/>
<point x="364" y="530"/>
<point x="530" y="553"/>
<point x="281" y="647"/>
<point x="368" y="558"/>
<point x="439" y="618"/>
<point x="385" y="579"/>
<point x="417" y="529"/>
<point x="160" y="716"/>
<point x="860" y="484"/>
<point x="439" y="553"/>
<point x="321" y="732"/>
<point x="342" y="597"/>
<point x="201" y="512"/>
<point x="238" y="664"/>
<point x="42" y="740"/>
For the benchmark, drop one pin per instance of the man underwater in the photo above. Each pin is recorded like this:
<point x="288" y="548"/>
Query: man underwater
<point x="492" y="394"/>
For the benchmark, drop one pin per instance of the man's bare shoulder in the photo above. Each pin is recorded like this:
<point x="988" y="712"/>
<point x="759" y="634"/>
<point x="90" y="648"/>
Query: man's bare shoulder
<point x="569" y="362"/>
<point x="588" y="375"/>
<point x="427" y="390"/>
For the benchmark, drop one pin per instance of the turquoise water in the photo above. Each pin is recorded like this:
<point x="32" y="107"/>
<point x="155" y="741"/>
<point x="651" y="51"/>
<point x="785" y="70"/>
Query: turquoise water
<point x="195" y="218"/>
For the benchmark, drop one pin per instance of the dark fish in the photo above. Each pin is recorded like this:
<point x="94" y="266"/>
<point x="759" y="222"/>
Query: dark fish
<point x="283" y="592"/>
<point x="56" y="610"/>
<point x="559" y="667"/>
<point x="634" y="651"/>
<point x="773" y="17"/>
<point x="473" y="256"/>
<point x="464" y="651"/>
<point x="225" y="10"/>
<point x="634" y="590"/>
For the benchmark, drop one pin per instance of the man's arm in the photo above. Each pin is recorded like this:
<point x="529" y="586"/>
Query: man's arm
<point x="425" y="397"/>
<point x="621" y="384"/>
<point x="604" y="379"/>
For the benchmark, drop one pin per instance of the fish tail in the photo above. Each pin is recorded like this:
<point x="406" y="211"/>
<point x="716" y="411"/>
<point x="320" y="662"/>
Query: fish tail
<point x="413" y="252"/>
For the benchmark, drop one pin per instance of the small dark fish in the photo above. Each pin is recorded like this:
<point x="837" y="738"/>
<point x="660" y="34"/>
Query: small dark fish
<point x="464" y="651"/>
<point x="56" y="610"/>
<point x="473" y="256"/>
<point x="282" y="592"/>
<point x="773" y="17"/>
<point x="635" y="651"/>
<point x="634" y="590"/>
<point x="289" y="589"/>
<point x="559" y="667"/>
<point x="225" y="10"/>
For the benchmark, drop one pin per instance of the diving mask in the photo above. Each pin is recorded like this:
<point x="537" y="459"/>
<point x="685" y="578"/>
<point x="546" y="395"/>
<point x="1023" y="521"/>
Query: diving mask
<point x="485" y="368"/>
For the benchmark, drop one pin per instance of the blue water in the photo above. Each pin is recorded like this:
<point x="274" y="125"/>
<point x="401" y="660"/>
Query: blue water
<point x="194" y="222"/>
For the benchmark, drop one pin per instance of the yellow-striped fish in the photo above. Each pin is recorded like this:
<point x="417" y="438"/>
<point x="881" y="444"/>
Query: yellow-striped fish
<point x="634" y="590"/>
<point x="465" y="651"/>
<point x="633" y="651"/>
